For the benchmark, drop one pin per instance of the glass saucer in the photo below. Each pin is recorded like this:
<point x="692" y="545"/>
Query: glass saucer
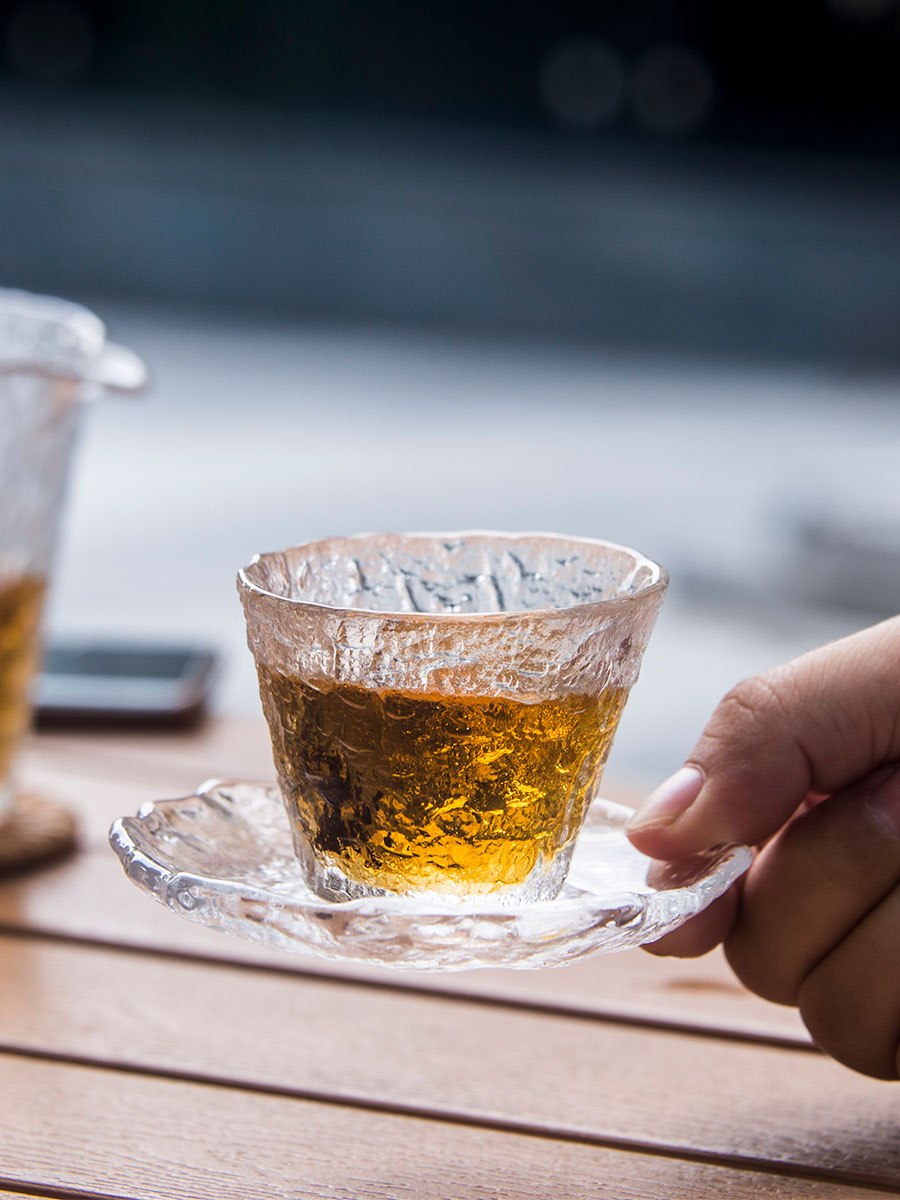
<point x="224" y="857"/>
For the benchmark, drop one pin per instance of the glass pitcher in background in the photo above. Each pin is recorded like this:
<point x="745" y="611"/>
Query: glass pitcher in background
<point x="54" y="357"/>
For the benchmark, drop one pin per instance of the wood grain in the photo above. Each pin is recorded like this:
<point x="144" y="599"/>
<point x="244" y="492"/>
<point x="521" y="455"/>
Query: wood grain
<point x="598" y="1081"/>
<point x="146" y="1057"/>
<point x="103" y="777"/>
<point x="116" y="1134"/>
<point x="90" y="898"/>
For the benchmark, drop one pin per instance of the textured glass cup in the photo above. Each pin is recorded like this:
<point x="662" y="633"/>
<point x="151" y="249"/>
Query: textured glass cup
<point x="53" y="355"/>
<point x="441" y="706"/>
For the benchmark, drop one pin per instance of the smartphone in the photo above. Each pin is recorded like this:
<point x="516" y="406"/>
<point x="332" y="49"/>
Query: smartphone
<point x="104" y="683"/>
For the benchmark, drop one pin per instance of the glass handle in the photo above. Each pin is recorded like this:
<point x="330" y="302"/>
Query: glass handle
<point x="119" y="369"/>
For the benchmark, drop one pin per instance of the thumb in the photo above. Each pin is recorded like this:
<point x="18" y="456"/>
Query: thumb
<point x="816" y="725"/>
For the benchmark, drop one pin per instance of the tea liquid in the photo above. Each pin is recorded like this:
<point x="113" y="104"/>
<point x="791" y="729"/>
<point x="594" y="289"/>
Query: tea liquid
<point x="21" y="602"/>
<point x="436" y="792"/>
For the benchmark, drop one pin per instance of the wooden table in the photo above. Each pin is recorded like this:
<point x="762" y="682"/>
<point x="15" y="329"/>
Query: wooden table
<point x="144" y="1056"/>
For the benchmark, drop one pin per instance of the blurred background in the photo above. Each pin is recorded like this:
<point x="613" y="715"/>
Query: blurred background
<point x="624" y="271"/>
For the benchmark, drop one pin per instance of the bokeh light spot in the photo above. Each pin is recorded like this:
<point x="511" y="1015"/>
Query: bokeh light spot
<point x="582" y="81"/>
<point x="672" y="90"/>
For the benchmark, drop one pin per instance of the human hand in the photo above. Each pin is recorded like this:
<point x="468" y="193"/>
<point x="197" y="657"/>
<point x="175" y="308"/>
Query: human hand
<point x="804" y="761"/>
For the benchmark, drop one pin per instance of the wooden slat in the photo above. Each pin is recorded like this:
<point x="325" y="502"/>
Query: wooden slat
<point x="116" y="1134"/>
<point x="456" y="1059"/>
<point x="103" y="777"/>
<point x="89" y="897"/>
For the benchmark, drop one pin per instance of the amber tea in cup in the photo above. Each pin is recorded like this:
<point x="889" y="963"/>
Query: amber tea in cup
<point x="21" y="604"/>
<point x="441" y="706"/>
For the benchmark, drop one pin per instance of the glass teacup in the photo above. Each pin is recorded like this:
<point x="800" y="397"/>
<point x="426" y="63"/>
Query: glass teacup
<point x="441" y="706"/>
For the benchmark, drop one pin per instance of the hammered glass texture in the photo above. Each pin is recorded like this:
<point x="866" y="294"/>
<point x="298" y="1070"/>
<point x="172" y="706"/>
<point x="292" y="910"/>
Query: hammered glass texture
<point x="38" y="423"/>
<point x="454" y="573"/>
<point x="53" y="355"/>
<point x="518" y="615"/>
<point x="368" y="650"/>
<point x="223" y="857"/>
<point x="42" y="334"/>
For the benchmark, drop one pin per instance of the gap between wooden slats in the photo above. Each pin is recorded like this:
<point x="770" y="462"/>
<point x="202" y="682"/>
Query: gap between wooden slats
<point x="51" y="1193"/>
<point x="344" y="975"/>
<point x="158" y="1139"/>
<point x="89" y="898"/>
<point x="462" y="1061"/>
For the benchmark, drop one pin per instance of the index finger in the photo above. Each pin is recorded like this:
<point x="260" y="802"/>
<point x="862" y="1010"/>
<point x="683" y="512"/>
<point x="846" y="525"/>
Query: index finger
<point x="816" y="725"/>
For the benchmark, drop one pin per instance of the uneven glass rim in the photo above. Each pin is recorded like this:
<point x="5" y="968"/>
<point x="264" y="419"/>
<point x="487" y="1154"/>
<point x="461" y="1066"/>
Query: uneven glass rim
<point x="50" y="331"/>
<point x="657" y="586"/>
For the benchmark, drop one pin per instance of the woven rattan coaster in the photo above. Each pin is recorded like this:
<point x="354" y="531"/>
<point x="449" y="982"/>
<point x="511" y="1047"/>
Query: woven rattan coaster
<point x="36" y="830"/>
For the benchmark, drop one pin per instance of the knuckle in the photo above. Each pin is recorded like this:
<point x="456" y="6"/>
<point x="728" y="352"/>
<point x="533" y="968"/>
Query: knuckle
<point x="762" y="698"/>
<point x="762" y="721"/>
